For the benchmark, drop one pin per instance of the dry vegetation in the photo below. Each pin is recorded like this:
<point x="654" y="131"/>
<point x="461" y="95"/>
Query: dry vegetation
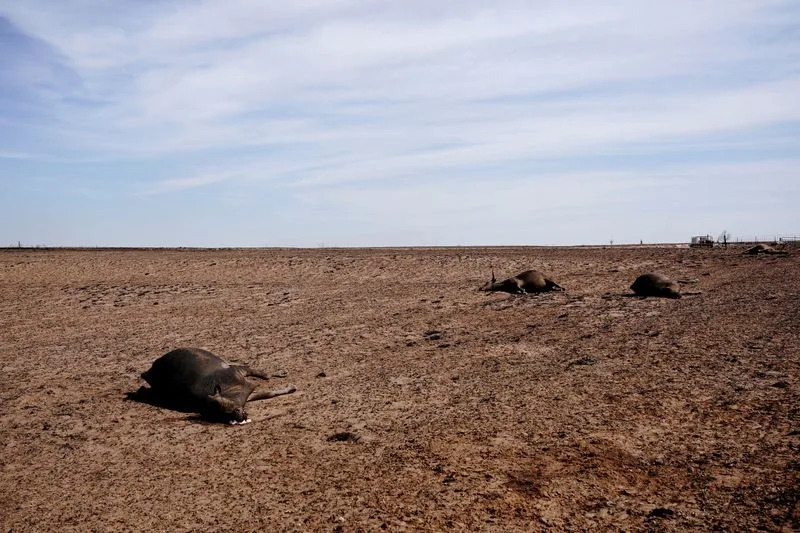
<point x="422" y="404"/>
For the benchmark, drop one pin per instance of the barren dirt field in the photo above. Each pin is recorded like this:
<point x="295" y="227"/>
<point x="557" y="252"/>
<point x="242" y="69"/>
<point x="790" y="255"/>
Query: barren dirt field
<point x="421" y="404"/>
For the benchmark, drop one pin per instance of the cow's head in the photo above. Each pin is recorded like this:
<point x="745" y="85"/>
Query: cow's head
<point x="489" y="285"/>
<point x="226" y="410"/>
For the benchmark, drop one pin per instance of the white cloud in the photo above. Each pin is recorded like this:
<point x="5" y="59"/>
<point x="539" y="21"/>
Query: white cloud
<point x="365" y="96"/>
<point x="7" y="154"/>
<point x="558" y="131"/>
<point x="557" y="207"/>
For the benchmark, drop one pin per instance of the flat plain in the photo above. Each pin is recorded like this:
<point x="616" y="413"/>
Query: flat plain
<point x="422" y="403"/>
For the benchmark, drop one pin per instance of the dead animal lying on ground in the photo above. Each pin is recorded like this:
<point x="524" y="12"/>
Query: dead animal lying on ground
<point x="764" y="249"/>
<point x="652" y="284"/>
<point x="524" y="282"/>
<point x="197" y="380"/>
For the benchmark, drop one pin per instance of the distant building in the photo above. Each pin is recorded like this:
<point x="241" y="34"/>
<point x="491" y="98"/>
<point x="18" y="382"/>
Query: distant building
<point x="702" y="241"/>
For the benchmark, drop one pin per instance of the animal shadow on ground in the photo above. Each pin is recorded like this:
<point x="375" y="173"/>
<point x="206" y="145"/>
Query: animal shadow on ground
<point x="614" y="295"/>
<point x="528" y="299"/>
<point x="146" y="395"/>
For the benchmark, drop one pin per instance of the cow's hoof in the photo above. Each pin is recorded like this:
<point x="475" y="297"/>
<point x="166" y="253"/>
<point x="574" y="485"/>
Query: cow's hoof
<point x="243" y="422"/>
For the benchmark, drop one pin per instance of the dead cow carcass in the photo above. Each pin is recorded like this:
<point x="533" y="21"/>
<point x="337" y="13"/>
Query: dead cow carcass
<point x="524" y="282"/>
<point x="197" y="380"/>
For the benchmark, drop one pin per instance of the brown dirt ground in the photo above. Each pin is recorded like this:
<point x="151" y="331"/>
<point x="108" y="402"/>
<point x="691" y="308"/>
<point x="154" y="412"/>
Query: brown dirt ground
<point x="583" y="410"/>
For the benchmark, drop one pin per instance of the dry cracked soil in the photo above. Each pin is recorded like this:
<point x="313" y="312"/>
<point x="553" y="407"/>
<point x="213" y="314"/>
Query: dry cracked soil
<point x="422" y="403"/>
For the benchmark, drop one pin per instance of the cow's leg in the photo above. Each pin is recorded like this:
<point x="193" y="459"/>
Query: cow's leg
<point x="248" y="372"/>
<point x="263" y="395"/>
<point x="251" y="372"/>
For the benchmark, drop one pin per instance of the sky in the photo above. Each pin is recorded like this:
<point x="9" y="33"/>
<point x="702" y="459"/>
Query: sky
<point x="415" y="123"/>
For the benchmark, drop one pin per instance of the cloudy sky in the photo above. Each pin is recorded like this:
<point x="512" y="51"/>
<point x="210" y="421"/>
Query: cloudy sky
<point x="375" y="123"/>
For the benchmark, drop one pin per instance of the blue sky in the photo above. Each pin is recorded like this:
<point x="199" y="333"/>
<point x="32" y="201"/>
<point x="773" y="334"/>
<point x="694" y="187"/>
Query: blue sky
<point x="373" y="123"/>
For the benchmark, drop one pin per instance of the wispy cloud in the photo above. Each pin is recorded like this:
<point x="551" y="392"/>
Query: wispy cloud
<point x="16" y="155"/>
<point x="190" y="182"/>
<point x="341" y="99"/>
